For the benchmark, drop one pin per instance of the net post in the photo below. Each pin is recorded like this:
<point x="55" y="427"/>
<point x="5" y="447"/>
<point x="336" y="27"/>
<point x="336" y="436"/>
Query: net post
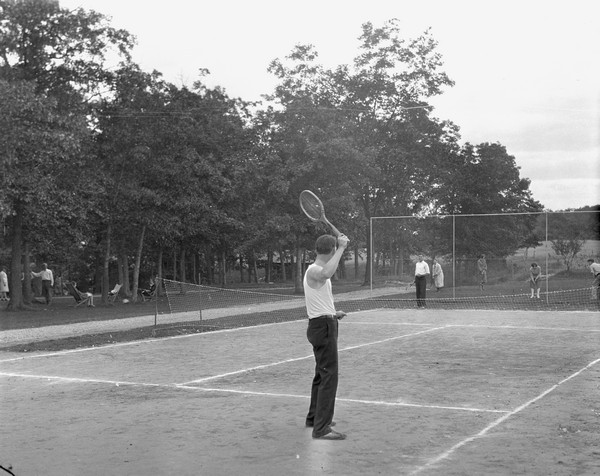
<point x="547" y="274"/>
<point x="157" y="283"/>
<point x="371" y="253"/>
<point x="453" y="256"/>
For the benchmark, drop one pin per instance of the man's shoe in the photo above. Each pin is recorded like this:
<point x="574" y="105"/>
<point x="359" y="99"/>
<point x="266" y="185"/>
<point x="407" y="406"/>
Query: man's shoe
<point x="332" y="435"/>
<point x="310" y="424"/>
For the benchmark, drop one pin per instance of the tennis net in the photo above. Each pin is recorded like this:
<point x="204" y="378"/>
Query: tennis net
<point x="222" y="308"/>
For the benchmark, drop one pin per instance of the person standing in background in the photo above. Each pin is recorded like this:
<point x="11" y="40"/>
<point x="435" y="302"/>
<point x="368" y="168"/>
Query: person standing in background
<point x="535" y="274"/>
<point x="438" y="275"/>
<point x="47" y="282"/>
<point x="482" y="268"/>
<point x="421" y="273"/>
<point x="595" y="269"/>
<point x="3" y="284"/>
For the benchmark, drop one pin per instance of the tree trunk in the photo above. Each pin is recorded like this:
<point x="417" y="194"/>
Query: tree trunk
<point x="269" y="270"/>
<point x="174" y="265"/>
<point x="124" y="274"/>
<point x="26" y="277"/>
<point x="222" y="270"/>
<point x="356" y="261"/>
<point x="182" y="265"/>
<point x="195" y="260"/>
<point x="15" y="286"/>
<point x="283" y="271"/>
<point x="159" y="273"/>
<point x="298" y="275"/>
<point x="368" y="276"/>
<point x="105" y="275"/>
<point x="254" y="267"/>
<point x="136" y="268"/>
<point x="126" y="281"/>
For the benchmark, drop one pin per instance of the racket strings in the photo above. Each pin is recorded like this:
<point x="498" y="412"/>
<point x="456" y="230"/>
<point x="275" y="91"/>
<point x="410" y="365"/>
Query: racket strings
<point x="311" y="206"/>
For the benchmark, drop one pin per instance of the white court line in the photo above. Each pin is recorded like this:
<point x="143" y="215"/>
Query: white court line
<point x="124" y="383"/>
<point x="347" y="400"/>
<point x="273" y="364"/>
<point x="500" y="420"/>
<point x="84" y="380"/>
<point x="381" y="323"/>
<point x="527" y="328"/>
<point x="238" y="329"/>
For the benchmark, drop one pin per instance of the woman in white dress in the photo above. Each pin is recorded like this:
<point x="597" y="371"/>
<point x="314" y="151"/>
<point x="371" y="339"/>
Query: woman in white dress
<point x="438" y="275"/>
<point x="3" y="284"/>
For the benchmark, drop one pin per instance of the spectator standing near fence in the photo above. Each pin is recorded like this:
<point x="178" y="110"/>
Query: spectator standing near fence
<point x="595" y="269"/>
<point x="535" y="275"/>
<point x="3" y="284"/>
<point x="322" y="333"/>
<point x="438" y="275"/>
<point x="482" y="268"/>
<point x="47" y="282"/>
<point x="421" y="273"/>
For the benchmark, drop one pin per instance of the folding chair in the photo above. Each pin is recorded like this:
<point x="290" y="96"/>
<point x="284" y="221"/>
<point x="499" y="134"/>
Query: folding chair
<point x="147" y="293"/>
<point x="112" y="295"/>
<point x="80" y="297"/>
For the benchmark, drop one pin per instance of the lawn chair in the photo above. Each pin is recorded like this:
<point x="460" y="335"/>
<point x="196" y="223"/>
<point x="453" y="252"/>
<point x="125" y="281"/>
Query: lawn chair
<point x="80" y="297"/>
<point x="112" y="295"/>
<point x="147" y="294"/>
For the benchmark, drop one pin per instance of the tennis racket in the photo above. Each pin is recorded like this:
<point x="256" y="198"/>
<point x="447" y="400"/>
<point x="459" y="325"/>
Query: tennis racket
<point x="313" y="208"/>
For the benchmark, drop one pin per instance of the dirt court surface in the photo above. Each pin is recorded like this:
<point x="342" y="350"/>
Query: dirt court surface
<point x="421" y="392"/>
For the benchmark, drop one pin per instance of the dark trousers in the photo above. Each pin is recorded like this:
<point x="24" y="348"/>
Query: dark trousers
<point x="421" y="288"/>
<point x="322" y="333"/>
<point x="47" y="290"/>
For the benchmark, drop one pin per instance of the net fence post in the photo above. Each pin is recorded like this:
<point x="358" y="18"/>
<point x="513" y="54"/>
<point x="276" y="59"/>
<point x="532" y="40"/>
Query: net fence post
<point x="453" y="256"/>
<point x="547" y="273"/>
<point x="371" y="253"/>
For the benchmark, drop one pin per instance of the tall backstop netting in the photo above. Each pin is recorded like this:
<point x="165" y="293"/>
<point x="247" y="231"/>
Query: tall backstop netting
<point x="488" y="258"/>
<point x="486" y="262"/>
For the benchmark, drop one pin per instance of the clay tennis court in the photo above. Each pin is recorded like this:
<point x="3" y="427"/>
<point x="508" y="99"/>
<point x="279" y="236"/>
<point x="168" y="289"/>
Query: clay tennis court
<point x="428" y="392"/>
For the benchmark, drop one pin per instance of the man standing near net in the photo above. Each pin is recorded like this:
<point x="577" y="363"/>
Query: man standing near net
<point x="322" y="333"/>
<point x="595" y="269"/>
<point x="421" y="273"/>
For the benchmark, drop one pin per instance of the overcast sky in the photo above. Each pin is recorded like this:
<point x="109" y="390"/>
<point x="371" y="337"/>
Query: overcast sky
<point x="527" y="72"/>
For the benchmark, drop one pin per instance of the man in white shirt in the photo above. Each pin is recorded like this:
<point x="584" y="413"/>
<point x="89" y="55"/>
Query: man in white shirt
<point x="47" y="282"/>
<point x="322" y="333"/>
<point x="421" y="273"/>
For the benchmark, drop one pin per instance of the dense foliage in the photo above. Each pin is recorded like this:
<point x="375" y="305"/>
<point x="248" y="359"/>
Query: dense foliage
<point x="110" y="172"/>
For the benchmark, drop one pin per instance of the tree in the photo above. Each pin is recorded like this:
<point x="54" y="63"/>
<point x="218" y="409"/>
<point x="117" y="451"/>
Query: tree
<point x="567" y="233"/>
<point x="363" y="132"/>
<point x="172" y="161"/>
<point x="488" y="184"/>
<point x="64" y="52"/>
<point x="41" y="185"/>
<point x="52" y="64"/>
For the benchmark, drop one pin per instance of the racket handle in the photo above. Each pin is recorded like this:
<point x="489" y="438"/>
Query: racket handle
<point x="336" y="232"/>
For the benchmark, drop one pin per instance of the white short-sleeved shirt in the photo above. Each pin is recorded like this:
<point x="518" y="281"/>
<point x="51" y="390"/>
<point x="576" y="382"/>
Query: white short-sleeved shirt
<point x="422" y="268"/>
<point x="319" y="302"/>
